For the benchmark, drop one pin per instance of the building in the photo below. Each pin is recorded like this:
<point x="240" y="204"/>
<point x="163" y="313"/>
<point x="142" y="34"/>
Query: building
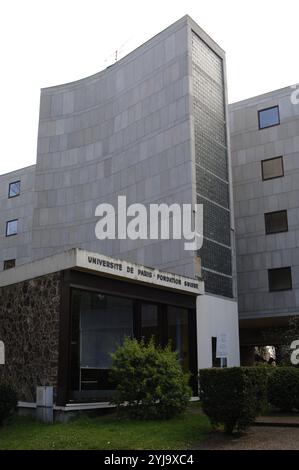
<point x="62" y="316"/>
<point x="151" y="127"/>
<point x="265" y="159"/>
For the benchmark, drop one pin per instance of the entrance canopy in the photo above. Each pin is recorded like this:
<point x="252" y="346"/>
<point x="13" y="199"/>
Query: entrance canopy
<point x="96" y="263"/>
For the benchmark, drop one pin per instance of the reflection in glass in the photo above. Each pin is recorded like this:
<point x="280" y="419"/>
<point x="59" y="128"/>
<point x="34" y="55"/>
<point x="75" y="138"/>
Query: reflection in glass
<point x="149" y="322"/>
<point x="178" y="333"/>
<point x="104" y="322"/>
<point x="12" y="227"/>
<point x="14" y="189"/>
<point x="268" y="117"/>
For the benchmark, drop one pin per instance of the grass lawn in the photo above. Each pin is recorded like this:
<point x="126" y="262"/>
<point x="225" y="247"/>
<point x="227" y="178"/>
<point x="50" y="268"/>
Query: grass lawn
<point x="106" y="432"/>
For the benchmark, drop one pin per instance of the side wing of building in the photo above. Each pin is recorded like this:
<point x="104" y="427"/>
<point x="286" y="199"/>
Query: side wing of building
<point x="17" y="202"/>
<point x="265" y="158"/>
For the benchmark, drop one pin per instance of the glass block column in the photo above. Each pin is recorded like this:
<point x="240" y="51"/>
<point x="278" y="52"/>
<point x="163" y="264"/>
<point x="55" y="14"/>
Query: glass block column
<point x="211" y="159"/>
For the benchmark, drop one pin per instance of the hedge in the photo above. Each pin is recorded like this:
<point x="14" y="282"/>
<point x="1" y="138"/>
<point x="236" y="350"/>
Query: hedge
<point x="8" y="401"/>
<point x="283" y="388"/>
<point x="233" y="396"/>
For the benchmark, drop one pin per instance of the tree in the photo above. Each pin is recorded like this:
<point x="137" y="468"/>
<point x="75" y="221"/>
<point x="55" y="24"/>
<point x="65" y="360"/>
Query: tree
<point x="285" y="337"/>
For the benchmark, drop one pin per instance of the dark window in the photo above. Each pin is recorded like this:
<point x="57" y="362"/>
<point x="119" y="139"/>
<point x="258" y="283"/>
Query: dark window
<point x="9" y="263"/>
<point x="215" y="360"/>
<point x="272" y="168"/>
<point x="11" y="227"/>
<point x="269" y="117"/>
<point x="14" y="189"/>
<point x="276" y="222"/>
<point x="280" y="279"/>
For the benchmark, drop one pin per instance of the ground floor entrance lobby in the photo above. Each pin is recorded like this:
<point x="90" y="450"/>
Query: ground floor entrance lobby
<point x="62" y="317"/>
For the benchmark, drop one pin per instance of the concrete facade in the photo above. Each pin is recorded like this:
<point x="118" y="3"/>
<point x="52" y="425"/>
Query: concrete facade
<point x="222" y="318"/>
<point x="151" y="127"/>
<point x="125" y="131"/>
<point x="128" y="130"/>
<point x="257" y="252"/>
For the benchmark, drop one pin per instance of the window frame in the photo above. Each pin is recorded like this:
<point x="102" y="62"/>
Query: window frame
<point x="277" y="231"/>
<point x="280" y="269"/>
<point x="267" y="109"/>
<point x="272" y="177"/>
<point x="7" y="261"/>
<point x="15" y="195"/>
<point x="7" y="224"/>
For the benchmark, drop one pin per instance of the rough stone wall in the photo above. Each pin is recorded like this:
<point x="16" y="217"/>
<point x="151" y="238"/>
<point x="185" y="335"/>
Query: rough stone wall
<point x="29" y="327"/>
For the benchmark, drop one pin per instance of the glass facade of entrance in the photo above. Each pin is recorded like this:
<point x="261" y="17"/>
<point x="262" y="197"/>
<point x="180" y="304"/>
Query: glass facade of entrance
<point x="99" y="324"/>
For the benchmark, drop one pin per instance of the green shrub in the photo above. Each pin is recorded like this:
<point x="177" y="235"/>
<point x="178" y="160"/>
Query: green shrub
<point x="283" y="388"/>
<point x="233" y="396"/>
<point x="258" y="379"/>
<point x="8" y="401"/>
<point x="149" y="380"/>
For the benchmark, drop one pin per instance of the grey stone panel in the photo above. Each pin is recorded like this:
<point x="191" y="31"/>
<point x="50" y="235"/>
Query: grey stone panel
<point x="125" y="131"/>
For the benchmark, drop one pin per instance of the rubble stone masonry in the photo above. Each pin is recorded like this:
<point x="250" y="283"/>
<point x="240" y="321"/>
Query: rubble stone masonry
<point x="29" y="328"/>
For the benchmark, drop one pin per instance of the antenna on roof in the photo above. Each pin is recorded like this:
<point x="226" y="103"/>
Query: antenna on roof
<point x="118" y="51"/>
<point x="121" y="48"/>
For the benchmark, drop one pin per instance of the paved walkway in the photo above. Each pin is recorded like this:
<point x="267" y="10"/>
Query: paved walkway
<point x="257" y="438"/>
<point x="278" y="420"/>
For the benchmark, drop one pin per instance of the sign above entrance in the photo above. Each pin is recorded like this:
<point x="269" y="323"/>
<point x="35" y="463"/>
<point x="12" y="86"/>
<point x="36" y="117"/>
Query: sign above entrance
<point x="124" y="269"/>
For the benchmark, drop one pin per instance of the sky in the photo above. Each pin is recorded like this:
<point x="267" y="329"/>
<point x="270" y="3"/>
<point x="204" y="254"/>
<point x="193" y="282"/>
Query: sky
<point x="49" y="42"/>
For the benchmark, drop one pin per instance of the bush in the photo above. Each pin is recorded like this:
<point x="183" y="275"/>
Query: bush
<point x="149" y="380"/>
<point x="283" y="388"/>
<point x="233" y="396"/>
<point x="8" y="401"/>
<point x="258" y="379"/>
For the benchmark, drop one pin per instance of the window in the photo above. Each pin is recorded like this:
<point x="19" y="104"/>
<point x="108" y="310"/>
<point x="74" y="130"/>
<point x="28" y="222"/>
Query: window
<point x="272" y="168"/>
<point x="280" y="279"/>
<point x="11" y="227"/>
<point x="8" y="264"/>
<point x="104" y="322"/>
<point x="276" y="222"/>
<point x="269" y="117"/>
<point x="14" y="189"/>
<point x="215" y="360"/>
